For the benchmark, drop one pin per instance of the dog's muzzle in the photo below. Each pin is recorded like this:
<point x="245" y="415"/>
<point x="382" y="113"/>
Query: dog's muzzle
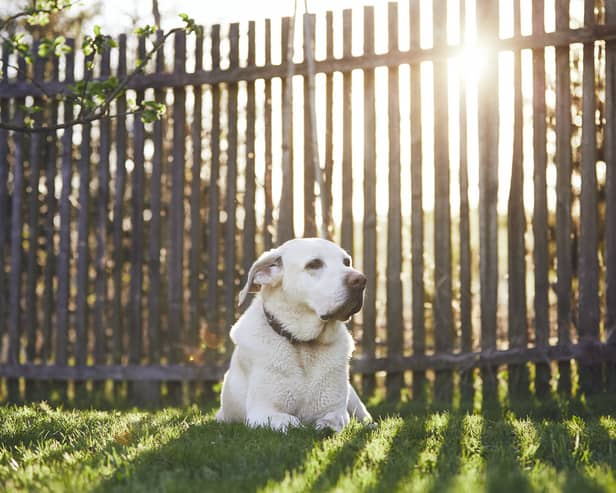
<point x="355" y="283"/>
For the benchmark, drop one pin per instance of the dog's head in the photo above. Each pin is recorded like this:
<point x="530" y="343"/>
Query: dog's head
<point x="312" y="272"/>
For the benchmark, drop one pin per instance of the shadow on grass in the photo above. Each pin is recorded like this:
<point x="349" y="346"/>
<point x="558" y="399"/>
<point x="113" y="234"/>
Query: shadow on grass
<point x="214" y="457"/>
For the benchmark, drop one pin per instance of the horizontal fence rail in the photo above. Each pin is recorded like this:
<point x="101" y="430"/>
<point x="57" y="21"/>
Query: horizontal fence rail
<point x="480" y="205"/>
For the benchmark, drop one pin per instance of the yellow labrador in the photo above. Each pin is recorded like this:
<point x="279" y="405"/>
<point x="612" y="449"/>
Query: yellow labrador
<point x="290" y="365"/>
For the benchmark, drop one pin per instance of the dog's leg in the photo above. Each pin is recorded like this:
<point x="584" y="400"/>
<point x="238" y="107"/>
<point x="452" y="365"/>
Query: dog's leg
<point x="356" y="407"/>
<point x="266" y="407"/>
<point x="335" y="420"/>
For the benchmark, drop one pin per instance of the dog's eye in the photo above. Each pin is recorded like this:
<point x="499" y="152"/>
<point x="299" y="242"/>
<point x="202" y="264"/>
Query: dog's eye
<point x="315" y="263"/>
<point x="347" y="261"/>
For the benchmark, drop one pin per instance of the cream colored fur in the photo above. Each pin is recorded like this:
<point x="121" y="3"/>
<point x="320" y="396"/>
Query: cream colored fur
<point x="274" y="382"/>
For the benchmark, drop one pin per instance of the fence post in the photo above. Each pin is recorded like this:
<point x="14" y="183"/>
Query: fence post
<point x="117" y="317"/>
<point x="488" y="120"/>
<point x="310" y="227"/>
<point x="516" y="226"/>
<point x="541" y="259"/>
<point x="4" y="195"/>
<point x="563" y="194"/>
<point x="395" y="339"/>
<point x="443" y="317"/>
<point x="102" y="220"/>
<point x="175" y="320"/>
<point x="610" y="194"/>
<point x="588" y="270"/>
<point x="285" y="207"/>
<point x="370" y="218"/>
<point x="466" y="295"/>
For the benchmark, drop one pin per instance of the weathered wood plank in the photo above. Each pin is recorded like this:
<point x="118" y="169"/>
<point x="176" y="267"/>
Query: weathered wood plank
<point x="175" y="321"/>
<point x="154" y="242"/>
<point x="250" y="219"/>
<point x="117" y="312"/>
<point x="466" y="269"/>
<point x="230" y="274"/>
<point x="51" y="205"/>
<point x="346" y="228"/>
<point x="285" y="207"/>
<point x="4" y="197"/>
<point x="488" y="117"/>
<point x="15" y="322"/>
<point x="36" y="155"/>
<point x="328" y="169"/>
<point x="540" y="207"/>
<point x="268" y="220"/>
<point x="214" y="198"/>
<point x="101" y="316"/>
<point x="64" y="248"/>
<point x="196" y="236"/>
<point x="461" y="362"/>
<point x="589" y="314"/>
<point x="330" y="65"/>
<point x="310" y="227"/>
<point x="516" y="226"/>
<point x="135" y="314"/>
<point x="83" y="254"/>
<point x="610" y="191"/>
<point x="394" y="219"/>
<point x="563" y="194"/>
<point x="443" y="316"/>
<point x="368" y="342"/>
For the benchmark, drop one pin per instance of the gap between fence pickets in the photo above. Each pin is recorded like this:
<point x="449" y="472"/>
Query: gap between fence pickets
<point x="585" y="352"/>
<point x="17" y="89"/>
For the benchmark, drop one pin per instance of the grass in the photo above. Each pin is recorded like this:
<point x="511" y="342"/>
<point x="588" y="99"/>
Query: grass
<point x="551" y="446"/>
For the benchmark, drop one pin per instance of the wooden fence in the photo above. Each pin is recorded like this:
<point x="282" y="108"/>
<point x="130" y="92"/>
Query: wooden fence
<point x="122" y="245"/>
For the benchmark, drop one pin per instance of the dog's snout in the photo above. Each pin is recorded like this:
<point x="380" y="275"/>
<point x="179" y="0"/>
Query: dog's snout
<point x="356" y="280"/>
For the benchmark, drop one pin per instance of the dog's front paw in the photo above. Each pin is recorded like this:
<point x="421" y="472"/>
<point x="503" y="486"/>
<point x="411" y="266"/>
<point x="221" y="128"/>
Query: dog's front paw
<point x="335" y="420"/>
<point x="275" y="421"/>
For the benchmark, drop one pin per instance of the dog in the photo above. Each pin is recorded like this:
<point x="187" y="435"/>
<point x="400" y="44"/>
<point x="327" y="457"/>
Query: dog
<point x="290" y="364"/>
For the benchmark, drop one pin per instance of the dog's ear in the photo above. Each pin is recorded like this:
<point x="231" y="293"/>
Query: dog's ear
<point x="267" y="269"/>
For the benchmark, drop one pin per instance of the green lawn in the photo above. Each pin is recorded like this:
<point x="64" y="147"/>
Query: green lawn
<point x="554" y="446"/>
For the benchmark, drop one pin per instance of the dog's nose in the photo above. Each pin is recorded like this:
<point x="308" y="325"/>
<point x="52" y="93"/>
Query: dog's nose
<point x="356" y="280"/>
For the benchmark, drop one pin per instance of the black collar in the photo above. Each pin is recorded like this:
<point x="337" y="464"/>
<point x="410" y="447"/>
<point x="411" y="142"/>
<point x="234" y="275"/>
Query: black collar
<point x="277" y="327"/>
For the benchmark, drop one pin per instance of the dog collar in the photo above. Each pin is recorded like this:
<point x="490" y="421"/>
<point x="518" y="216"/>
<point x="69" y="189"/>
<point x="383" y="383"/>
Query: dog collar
<point x="277" y="327"/>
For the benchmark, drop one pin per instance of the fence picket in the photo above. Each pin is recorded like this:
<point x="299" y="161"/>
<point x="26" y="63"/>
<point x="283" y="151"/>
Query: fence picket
<point x="83" y="220"/>
<point x="443" y="317"/>
<point x="230" y="276"/>
<point x="213" y="203"/>
<point x="268" y="220"/>
<point x="487" y="26"/>
<point x="346" y="228"/>
<point x="329" y="126"/>
<point x="516" y="226"/>
<point x="285" y="209"/>
<point x="102" y="220"/>
<point x="196" y="237"/>
<point x="310" y="227"/>
<point x="540" y="207"/>
<point x="394" y="234"/>
<point x="610" y="194"/>
<point x="588" y="268"/>
<point x="250" y="218"/>
<point x="4" y="196"/>
<point x="175" y="320"/>
<point x="563" y="194"/>
<point x="117" y="318"/>
<point x="370" y="217"/>
<point x="14" y="322"/>
<point x="31" y="316"/>
<point x="466" y="295"/>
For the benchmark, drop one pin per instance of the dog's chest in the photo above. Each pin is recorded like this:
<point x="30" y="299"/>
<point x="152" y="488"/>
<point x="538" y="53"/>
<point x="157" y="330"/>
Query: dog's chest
<point x="322" y="379"/>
